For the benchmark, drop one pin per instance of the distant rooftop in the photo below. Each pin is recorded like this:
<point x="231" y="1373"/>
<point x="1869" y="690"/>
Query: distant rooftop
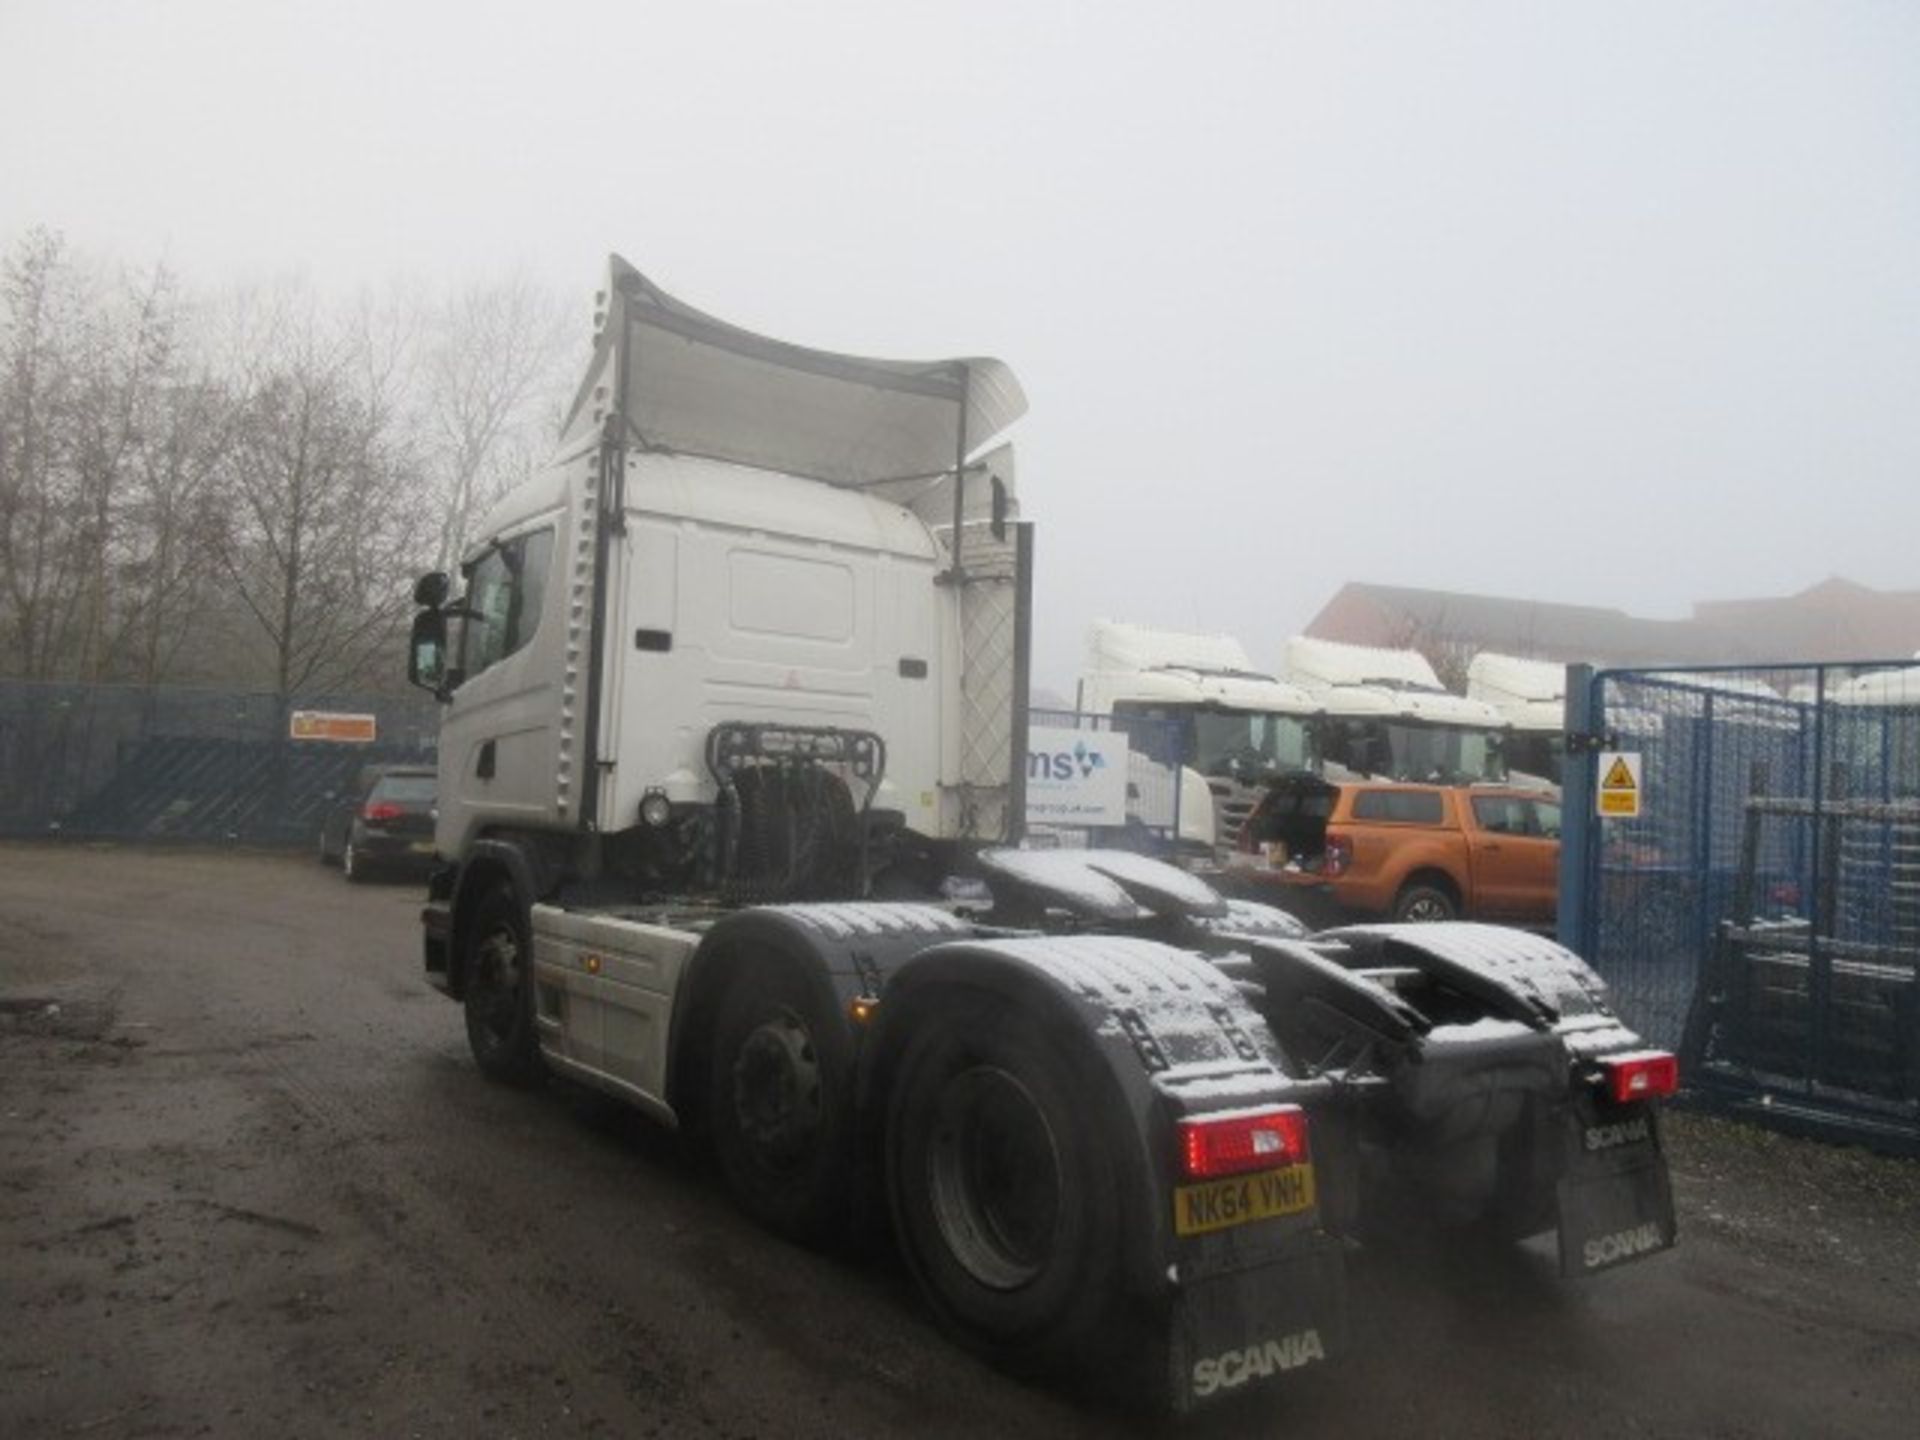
<point x="1837" y="619"/>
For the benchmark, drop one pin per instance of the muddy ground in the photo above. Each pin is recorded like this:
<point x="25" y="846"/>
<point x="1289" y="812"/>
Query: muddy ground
<point x="250" y="1185"/>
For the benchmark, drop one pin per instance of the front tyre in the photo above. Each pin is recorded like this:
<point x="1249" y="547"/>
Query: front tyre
<point x="1004" y="1199"/>
<point x="781" y="1101"/>
<point x="498" y="991"/>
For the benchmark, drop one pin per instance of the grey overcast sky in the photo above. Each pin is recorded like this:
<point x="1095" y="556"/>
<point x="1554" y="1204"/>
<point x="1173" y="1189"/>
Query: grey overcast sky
<point x="1612" y="303"/>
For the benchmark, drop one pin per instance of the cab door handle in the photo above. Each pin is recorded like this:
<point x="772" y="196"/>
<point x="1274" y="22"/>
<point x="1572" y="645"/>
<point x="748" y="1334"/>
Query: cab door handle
<point x="484" y="766"/>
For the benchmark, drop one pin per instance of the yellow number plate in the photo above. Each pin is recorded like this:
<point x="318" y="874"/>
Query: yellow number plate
<point x="1221" y="1204"/>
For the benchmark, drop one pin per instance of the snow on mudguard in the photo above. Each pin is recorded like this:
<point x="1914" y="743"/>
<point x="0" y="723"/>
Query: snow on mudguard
<point x="1616" y="1202"/>
<point x="1237" y="1330"/>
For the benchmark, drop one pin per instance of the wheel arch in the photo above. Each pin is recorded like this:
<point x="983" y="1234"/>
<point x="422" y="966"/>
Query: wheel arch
<point x="1438" y="878"/>
<point x="492" y="861"/>
<point x="1121" y="1099"/>
<point x="739" y="940"/>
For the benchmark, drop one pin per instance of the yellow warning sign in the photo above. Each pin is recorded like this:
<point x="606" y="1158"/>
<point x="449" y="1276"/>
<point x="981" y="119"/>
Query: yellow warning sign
<point x="1618" y="797"/>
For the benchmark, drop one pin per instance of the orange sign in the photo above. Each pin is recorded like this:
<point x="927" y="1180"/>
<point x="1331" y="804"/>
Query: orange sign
<point x="327" y="725"/>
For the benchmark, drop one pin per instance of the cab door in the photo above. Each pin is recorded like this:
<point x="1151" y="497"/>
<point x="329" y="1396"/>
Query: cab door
<point x="1515" y="861"/>
<point x="1538" y="862"/>
<point x="1496" y="832"/>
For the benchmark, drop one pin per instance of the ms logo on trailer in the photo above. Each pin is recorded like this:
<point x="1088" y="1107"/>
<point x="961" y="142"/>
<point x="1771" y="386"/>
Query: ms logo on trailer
<point x="1076" y="777"/>
<point x="1065" y="764"/>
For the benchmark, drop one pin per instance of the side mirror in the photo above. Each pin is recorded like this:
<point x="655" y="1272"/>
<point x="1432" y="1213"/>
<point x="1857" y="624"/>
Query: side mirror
<point x="431" y="589"/>
<point x="427" y="652"/>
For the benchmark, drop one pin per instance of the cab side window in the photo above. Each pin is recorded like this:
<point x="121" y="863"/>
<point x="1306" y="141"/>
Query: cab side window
<point x="506" y="590"/>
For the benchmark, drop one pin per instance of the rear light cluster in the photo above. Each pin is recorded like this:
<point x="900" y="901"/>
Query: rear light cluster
<point x="1237" y="1141"/>
<point x="1642" y="1075"/>
<point x="1339" y="855"/>
<point x="381" y="810"/>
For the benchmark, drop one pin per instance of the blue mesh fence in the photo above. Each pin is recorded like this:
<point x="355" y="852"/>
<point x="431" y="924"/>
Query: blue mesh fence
<point x="160" y="763"/>
<point x="1762" y="912"/>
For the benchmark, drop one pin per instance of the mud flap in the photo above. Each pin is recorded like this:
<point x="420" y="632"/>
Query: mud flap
<point x="1616" y="1200"/>
<point x="1234" y="1331"/>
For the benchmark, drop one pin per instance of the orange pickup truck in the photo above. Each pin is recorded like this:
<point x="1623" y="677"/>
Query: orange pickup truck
<point x="1332" y="850"/>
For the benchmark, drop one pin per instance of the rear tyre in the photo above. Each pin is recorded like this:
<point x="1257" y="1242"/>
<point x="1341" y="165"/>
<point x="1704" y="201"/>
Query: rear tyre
<point x="780" y="1102"/>
<point x="1421" y="903"/>
<point x="352" y="866"/>
<point x="499" y="991"/>
<point x="1004" y="1199"/>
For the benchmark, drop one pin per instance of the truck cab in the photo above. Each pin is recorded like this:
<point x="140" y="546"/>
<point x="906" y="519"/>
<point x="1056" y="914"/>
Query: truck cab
<point x="693" y="594"/>
<point x="1195" y="706"/>
<point x="1531" y="695"/>
<point x="1387" y="716"/>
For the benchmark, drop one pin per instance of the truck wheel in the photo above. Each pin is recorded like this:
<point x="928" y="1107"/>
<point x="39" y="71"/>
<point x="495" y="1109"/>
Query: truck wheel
<point x="1005" y="1201"/>
<point x="499" y="991"/>
<point x="780" y="1103"/>
<point x="1424" y="902"/>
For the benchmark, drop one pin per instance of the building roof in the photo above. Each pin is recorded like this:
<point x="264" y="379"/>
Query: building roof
<point x="1835" y="620"/>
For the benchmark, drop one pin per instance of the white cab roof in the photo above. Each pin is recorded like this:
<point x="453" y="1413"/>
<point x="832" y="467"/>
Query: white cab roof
<point x="1365" y="680"/>
<point x="1176" y="667"/>
<point x="1530" y="693"/>
<point x="1879" y="687"/>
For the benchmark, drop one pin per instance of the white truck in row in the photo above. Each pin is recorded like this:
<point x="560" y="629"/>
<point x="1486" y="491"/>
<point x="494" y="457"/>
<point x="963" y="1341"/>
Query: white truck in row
<point x="751" y="653"/>
<point x="1198" y="714"/>
<point x="1388" y="714"/>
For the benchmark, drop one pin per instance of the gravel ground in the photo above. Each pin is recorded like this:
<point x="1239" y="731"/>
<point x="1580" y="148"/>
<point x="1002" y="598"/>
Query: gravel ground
<point x="250" y="1185"/>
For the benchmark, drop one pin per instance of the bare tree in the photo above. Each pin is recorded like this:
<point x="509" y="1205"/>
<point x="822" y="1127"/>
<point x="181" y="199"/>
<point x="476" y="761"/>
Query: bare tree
<point x="39" y="289"/>
<point x="319" y="495"/>
<point x="246" y="498"/>
<point x="490" y="398"/>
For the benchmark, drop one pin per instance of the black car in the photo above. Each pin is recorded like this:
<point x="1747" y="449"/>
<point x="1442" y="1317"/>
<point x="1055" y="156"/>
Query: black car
<point x="384" y="823"/>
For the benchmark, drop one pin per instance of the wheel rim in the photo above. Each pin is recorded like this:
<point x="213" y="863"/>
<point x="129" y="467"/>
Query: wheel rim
<point x="993" y="1170"/>
<point x="778" y="1099"/>
<point x="1425" y="908"/>
<point x="493" y="990"/>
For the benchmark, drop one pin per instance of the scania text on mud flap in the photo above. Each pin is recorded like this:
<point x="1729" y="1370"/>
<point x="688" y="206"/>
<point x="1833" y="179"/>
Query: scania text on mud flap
<point x="753" y="650"/>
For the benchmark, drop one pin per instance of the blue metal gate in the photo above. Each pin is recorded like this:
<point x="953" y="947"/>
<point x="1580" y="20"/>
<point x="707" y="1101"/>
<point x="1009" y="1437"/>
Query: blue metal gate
<point x="1761" y="912"/>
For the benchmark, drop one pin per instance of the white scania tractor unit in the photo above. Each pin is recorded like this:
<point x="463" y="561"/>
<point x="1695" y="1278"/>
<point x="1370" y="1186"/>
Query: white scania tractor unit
<point x="1531" y="696"/>
<point x="1193" y="705"/>
<point x="1387" y="715"/>
<point x="750" y="653"/>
